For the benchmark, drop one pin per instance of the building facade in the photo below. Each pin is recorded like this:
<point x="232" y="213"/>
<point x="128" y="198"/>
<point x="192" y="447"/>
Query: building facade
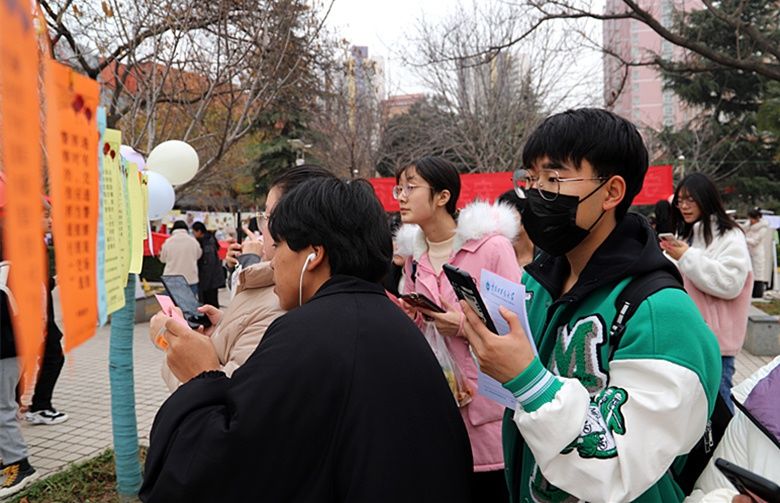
<point x="637" y="92"/>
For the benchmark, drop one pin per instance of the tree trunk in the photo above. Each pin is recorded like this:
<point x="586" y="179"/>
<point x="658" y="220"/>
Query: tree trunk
<point x="123" y="418"/>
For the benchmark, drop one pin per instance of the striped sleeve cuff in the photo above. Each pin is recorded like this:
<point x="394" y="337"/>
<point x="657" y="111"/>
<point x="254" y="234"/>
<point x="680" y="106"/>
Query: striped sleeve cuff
<point x="534" y="387"/>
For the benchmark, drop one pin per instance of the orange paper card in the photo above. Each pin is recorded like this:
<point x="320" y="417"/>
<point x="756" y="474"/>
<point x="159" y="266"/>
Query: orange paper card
<point x="22" y="230"/>
<point x="72" y="143"/>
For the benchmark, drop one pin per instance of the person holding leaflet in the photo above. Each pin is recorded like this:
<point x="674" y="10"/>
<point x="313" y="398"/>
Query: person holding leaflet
<point x="605" y="408"/>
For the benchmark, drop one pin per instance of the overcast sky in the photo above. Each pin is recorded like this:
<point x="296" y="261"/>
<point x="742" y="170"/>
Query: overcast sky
<point x="385" y="26"/>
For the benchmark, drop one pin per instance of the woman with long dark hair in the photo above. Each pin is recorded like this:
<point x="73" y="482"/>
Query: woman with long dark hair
<point x="713" y="257"/>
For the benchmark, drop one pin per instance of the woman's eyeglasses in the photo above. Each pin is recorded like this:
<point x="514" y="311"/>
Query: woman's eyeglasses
<point x="685" y="201"/>
<point x="405" y="190"/>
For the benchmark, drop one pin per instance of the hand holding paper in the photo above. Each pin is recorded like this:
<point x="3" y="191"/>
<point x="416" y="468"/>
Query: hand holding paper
<point x="502" y="357"/>
<point x="189" y="352"/>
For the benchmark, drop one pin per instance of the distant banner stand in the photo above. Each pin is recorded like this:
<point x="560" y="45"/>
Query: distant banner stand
<point x="158" y="238"/>
<point x="659" y="184"/>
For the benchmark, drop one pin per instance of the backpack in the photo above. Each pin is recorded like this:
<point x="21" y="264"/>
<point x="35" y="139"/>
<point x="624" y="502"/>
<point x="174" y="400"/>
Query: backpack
<point x="686" y="469"/>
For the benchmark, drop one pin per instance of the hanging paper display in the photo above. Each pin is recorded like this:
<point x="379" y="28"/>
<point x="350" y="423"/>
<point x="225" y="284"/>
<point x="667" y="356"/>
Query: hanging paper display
<point x="71" y="141"/>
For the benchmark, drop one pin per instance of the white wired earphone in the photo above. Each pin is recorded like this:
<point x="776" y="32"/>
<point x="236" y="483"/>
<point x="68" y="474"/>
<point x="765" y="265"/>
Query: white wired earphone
<point x="306" y="262"/>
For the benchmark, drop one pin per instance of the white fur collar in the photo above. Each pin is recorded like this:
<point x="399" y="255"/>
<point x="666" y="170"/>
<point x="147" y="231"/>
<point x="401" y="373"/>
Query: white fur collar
<point x="477" y="220"/>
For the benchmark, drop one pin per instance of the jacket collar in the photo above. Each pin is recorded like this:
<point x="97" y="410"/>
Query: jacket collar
<point x="341" y="283"/>
<point x="476" y="222"/>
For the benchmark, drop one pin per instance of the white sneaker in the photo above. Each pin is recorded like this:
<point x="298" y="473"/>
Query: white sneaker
<point x="47" y="416"/>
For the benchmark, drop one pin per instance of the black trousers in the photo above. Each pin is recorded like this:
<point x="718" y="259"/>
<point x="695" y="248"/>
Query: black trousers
<point x="489" y="487"/>
<point x="758" y="289"/>
<point x="50" y="364"/>
<point x="210" y="296"/>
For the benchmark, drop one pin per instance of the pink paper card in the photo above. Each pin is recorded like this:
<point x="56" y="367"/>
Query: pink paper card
<point x="167" y="306"/>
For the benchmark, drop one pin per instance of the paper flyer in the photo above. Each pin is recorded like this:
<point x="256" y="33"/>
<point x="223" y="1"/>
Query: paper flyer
<point x="114" y="222"/>
<point x="20" y="109"/>
<point x="137" y="227"/>
<point x="497" y="291"/>
<point x="102" y="298"/>
<point x="73" y="178"/>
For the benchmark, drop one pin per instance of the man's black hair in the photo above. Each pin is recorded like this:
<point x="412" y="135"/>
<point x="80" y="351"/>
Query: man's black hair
<point x="292" y="177"/>
<point x="180" y="224"/>
<point x="663" y="216"/>
<point x="199" y="227"/>
<point x="440" y="174"/>
<point x="610" y="143"/>
<point x="755" y="213"/>
<point x="345" y="218"/>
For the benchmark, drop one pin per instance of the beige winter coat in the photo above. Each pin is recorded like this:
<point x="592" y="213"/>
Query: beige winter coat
<point x="180" y="253"/>
<point x="759" y="240"/>
<point x="243" y="325"/>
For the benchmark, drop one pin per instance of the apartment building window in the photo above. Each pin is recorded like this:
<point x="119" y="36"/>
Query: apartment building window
<point x="666" y="13"/>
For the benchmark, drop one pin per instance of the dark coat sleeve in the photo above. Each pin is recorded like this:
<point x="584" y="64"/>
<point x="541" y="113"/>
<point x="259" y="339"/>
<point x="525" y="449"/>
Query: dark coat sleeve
<point x="240" y="438"/>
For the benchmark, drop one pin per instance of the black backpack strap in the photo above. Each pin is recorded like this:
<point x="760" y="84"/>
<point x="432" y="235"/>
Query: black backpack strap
<point x="627" y="302"/>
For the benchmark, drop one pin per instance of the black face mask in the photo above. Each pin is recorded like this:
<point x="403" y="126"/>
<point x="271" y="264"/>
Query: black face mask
<point x="552" y="225"/>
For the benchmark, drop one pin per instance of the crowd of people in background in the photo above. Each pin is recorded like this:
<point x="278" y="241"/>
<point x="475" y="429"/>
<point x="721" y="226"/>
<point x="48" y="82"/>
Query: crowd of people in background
<point x="321" y="381"/>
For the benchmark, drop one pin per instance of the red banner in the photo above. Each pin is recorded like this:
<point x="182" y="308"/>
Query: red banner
<point x="488" y="186"/>
<point x="158" y="238"/>
<point x="485" y="186"/>
<point x="659" y="184"/>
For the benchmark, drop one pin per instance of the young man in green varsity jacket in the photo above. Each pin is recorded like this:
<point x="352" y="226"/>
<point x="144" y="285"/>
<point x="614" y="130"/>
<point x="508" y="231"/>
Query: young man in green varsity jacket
<point x="597" y="418"/>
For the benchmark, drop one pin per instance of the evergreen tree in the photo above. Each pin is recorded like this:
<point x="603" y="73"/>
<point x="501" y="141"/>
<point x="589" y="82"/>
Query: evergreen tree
<point x="732" y="138"/>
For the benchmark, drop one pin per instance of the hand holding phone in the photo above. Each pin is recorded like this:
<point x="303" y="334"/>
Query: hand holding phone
<point x="666" y="236"/>
<point x="748" y="483"/>
<point x="466" y="289"/>
<point x="180" y="292"/>
<point x="419" y="300"/>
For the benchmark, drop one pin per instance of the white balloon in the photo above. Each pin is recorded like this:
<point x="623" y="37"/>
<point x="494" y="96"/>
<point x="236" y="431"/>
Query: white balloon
<point x="161" y="196"/>
<point x="175" y="160"/>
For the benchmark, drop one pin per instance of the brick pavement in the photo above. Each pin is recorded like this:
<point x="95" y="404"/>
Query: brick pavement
<point x="83" y="392"/>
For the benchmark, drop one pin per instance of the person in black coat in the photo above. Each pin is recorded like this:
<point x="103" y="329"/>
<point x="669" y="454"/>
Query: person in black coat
<point x="211" y="276"/>
<point x="343" y="400"/>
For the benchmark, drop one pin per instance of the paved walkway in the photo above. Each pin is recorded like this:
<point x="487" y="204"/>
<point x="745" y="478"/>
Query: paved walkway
<point x="83" y="392"/>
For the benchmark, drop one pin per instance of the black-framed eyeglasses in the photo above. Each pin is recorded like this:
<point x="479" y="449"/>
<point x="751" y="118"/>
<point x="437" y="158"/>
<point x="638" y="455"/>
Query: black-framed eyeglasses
<point x="548" y="183"/>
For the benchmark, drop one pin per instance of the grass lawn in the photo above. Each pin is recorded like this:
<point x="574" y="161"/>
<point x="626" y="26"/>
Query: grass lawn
<point x="771" y="307"/>
<point x="92" y="481"/>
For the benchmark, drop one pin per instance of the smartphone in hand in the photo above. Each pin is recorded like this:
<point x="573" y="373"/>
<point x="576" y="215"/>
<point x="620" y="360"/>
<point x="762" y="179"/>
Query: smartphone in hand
<point x="749" y="483"/>
<point x="667" y="236"/>
<point x="421" y="301"/>
<point x="180" y="292"/>
<point x="466" y="289"/>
